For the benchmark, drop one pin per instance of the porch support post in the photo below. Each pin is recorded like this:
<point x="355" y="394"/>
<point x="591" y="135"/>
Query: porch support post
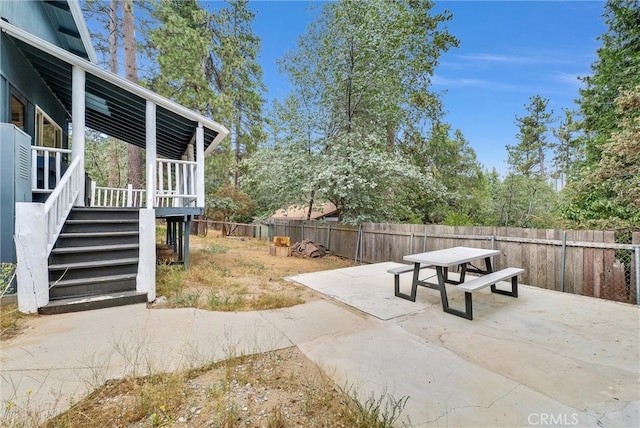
<point x="200" y="166"/>
<point x="151" y="153"/>
<point x="31" y="250"/>
<point x="78" y="125"/>
<point x="146" y="279"/>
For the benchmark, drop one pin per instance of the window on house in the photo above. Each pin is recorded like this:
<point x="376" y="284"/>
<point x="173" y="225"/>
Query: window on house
<point x="18" y="110"/>
<point x="48" y="133"/>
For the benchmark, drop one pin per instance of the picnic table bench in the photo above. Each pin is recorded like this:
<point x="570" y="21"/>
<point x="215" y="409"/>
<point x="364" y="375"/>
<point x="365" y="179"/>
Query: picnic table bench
<point x="397" y="271"/>
<point x="489" y="280"/>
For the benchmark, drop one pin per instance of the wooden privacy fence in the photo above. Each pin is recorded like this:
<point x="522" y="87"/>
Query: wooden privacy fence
<point x="584" y="262"/>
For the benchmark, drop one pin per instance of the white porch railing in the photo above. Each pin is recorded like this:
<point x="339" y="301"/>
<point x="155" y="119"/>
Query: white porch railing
<point x="175" y="187"/>
<point x="176" y="183"/>
<point x="50" y="157"/>
<point x="117" y="197"/>
<point x="60" y="202"/>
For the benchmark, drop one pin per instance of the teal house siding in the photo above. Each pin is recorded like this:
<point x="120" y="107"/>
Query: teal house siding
<point x="31" y="16"/>
<point x="17" y="73"/>
<point x="18" y="77"/>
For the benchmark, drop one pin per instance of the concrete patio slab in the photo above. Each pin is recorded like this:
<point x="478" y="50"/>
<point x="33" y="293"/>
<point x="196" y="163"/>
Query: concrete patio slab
<point x="543" y="359"/>
<point x="443" y="389"/>
<point x="361" y="287"/>
<point x="545" y="356"/>
<point x="59" y="357"/>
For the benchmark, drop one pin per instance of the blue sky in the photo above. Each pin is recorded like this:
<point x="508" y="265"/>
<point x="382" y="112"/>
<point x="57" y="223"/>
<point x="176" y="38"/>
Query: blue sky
<point x="509" y="51"/>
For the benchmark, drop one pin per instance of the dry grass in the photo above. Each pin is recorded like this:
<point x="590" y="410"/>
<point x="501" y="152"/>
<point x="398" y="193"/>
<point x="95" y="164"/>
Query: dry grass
<point x="279" y="389"/>
<point x="236" y="274"/>
<point x="12" y="321"/>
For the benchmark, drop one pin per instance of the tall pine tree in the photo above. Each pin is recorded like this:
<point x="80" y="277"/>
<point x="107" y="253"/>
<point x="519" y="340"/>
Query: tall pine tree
<point x="527" y="157"/>
<point x="593" y="198"/>
<point x="616" y="70"/>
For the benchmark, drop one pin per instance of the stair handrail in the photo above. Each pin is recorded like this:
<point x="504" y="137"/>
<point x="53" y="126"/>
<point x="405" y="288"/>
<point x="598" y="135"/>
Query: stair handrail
<point x="47" y="154"/>
<point x="59" y="203"/>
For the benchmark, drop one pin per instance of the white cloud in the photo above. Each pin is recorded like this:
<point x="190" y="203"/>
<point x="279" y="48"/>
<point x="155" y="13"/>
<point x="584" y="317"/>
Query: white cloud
<point x="485" y="57"/>
<point x="448" y="82"/>
<point x="568" y="78"/>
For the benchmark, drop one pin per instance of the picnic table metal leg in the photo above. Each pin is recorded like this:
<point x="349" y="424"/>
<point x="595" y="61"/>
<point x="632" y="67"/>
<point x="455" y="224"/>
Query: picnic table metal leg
<point x="468" y="313"/>
<point x="463" y="271"/>
<point x="487" y="263"/>
<point x="414" y="284"/>
<point x="514" y="288"/>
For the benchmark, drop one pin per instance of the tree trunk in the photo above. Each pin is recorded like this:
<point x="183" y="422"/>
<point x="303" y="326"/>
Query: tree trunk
<point x="114" y="159"/>
<point x="131" y="73"/>
<point x="238" y="148"/>
<point x="313" y="194"/>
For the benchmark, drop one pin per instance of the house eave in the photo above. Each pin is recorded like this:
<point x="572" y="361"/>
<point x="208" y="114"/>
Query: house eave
<point x="114" y="79"/>
<point x="76" y="12"/>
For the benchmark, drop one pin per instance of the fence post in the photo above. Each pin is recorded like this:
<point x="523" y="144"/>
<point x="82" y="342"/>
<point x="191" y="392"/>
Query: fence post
<point x="302" y="235"/>
<point x="411" y="243"/>
<point x="563" y="260"/>
<point x="362" y="245"/>
<point x="329" y="239"/>
<point x="636" y="250"/>
<point x="358" y="235"/>
<point x="493" y="247"/>
<point x="424" y="243"/>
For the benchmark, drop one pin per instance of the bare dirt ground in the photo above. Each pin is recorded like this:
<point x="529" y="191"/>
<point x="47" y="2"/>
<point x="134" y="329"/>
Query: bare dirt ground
<point x="276" y="389"/>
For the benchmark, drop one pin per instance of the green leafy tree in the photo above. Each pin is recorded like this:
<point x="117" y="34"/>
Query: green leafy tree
<point x="454" y="164"/>
<point x="364" y="181"/>
<point x="609" y="196"/>
<point x="112" y="23"/>
<point x="615" y="71"/>
<point x="181" y="45"/>
<point x="280" y="176"/>
<point x="239" y="78"/>
<point x="619" y="165"/>
<point x="362" y="74"/>
<point x="522" y="201"/>
<point x="208" y="62"/>
<point x="368" y="64"/>
<point x="526" y="198"/>
<point x="230" y="204"/>
<point x="590" y="200"/>
<point x="567" y="153"/>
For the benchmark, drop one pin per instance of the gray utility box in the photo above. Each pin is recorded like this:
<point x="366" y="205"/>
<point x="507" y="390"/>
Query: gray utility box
<point x="15" y="183"/>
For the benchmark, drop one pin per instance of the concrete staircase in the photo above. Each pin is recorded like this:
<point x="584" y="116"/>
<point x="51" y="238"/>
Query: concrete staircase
<point x="95" y="261"/>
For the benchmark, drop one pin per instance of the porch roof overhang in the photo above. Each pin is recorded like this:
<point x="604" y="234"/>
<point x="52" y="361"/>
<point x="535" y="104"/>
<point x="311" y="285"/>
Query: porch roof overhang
<point x="115" y="106"/>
